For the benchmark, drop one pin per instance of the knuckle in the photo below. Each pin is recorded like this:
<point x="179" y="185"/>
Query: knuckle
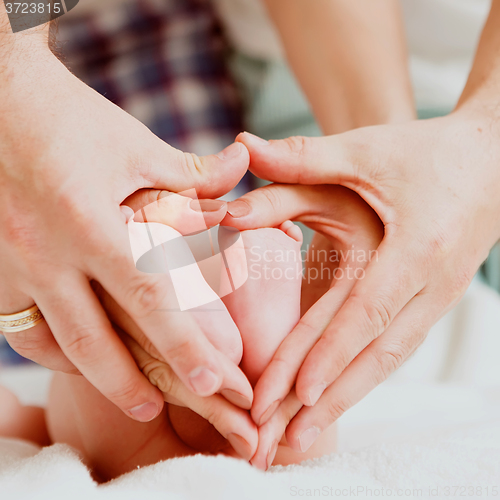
<point x="19" y="231"/>
<point x="298" y="145"/>
<point x="337" y="408"/>
<point x="179" y="350"/>
<point x="375" y="314"/>
<point x="459" y="282"/>
<point x="213" y="414"/>
<point x="145" y="295"/>
<point x="280" y="361"/>
<point x="126" y="391"/>
<point x="306" y="329"/>
<point x="272" y="197"/>
<point x="389" y="358"/>
<point x="341" y="360"/>
<point x="340" y="353"/>
<point x="75" y="205"/>
<point x="233" y="349"/>
<point x="191" y="165"/>
<point x="147" y="345"/>
<point x="439" y="244"/>
<point x="83" y="342"/>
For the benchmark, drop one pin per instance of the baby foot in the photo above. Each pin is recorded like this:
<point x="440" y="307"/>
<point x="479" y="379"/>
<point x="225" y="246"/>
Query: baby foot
<point x="267" y="307"/>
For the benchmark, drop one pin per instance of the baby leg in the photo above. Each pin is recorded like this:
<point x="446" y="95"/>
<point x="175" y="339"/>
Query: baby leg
<point x="21" y="422"/>
<point x="111" y="443"/>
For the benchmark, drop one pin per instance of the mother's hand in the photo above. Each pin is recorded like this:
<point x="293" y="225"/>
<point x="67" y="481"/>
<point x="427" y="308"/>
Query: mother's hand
<point x="66" y="165"/>
<point x="434" y="184"/>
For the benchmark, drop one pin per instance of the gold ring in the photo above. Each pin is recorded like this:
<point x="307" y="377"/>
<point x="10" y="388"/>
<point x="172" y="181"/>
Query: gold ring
<point x="24" y="320"/>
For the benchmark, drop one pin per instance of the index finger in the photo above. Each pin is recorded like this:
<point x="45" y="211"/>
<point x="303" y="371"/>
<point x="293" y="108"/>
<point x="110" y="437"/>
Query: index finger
<point x="86" y="337"/>
<point x="389" y="284"/>
<point x="231" y="422"/>
<point x="371" y="367"/>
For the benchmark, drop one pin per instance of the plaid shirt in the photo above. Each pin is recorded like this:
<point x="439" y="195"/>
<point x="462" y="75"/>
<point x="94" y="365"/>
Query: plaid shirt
<point x="164" y="62"/>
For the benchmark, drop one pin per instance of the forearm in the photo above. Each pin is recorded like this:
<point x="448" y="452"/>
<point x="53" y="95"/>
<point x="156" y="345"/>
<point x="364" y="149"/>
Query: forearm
<point x="21" y="53"/>
<point x="481" y="95"/>
<point x="350" y="58"/>
<point x="31" y="78"/>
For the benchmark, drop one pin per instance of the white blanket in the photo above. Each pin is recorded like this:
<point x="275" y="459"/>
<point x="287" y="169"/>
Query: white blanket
<point x="437" y="437"/>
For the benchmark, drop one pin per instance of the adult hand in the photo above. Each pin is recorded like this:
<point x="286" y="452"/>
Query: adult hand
<point x="68" y="159"/>
<point x="434" y="184"/>
<point x="348" y="234"/>
<point x="232" y="422"/>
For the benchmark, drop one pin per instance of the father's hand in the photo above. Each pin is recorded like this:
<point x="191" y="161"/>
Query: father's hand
<point x="68" y="159"/>
<point x="434" y="185"/>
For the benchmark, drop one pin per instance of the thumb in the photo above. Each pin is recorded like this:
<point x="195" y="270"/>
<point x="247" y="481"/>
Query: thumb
<point x="173" y="170"/>
<point x="299" y="160"/>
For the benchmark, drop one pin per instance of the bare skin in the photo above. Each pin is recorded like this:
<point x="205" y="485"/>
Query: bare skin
<point x="433" y="183"/>
<point x="112" y="444"/>
<point x="66" y="166"/>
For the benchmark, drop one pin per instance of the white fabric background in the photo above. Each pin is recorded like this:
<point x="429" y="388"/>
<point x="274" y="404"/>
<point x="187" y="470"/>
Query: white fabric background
<point x="434" y="424"/>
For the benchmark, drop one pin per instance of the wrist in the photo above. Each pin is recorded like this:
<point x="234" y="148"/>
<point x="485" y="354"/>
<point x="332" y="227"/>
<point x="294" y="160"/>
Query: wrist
<point x="26" y="61"/>
<point x="481" y="109"/>
<point x="24" y="45"/>
<point x="357" y="114"/>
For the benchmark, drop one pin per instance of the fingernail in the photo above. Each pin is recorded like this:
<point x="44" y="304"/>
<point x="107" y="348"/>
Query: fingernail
<point x="238" y="208"/>
<point x="255" y="139"/>
<point x="269" y="413"/>
<point x="231" y="151"/>
<point x="307" y="438"/>
<point x="241" y="446"/>
<point x="315" y="393"/>
<point x="164" y="194"/>
<point x="206" y="205"/>
<point x="272" y="454"/>
<point x="237" y="399"/>
<point x="145" y="412"/>
<point x="203" y="381"/>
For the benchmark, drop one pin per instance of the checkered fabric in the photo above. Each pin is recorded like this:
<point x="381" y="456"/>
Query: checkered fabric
<point x="163" y="61"/>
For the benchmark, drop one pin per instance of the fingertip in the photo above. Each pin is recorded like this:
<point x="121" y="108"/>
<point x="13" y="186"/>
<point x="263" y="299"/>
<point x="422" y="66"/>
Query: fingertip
<point x="240" y="215"/>
<point x="238" y="209"/>
<point x="213" y="211"/>
<point x="233" y="151"/>
<point x="292" y="438"/>
<point x="237" y="399"/>
<point x="307" y="393"/>
<point x="145" y="412"/>
<point x="261" y="417"/>
<point x="251" y="141"/>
